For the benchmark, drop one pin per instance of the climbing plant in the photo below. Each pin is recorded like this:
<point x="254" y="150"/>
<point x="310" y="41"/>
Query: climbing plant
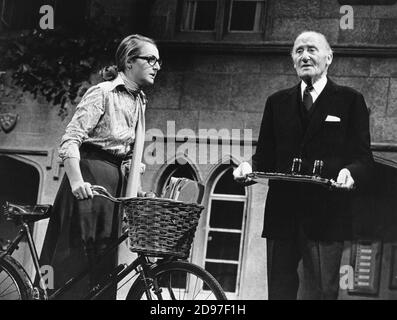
<point x="58" y="63"/>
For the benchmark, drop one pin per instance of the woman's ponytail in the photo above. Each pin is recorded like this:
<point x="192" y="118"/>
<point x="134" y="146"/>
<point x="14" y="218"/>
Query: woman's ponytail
<point x="109" y="73"/>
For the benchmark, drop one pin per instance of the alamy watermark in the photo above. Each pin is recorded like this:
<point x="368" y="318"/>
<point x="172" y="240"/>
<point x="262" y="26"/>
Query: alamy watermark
<point x="47" y="277"/>
<point x="347" y="20"/>
<point x="208" y="146"/>
<point x="47" y="19"/>
<point x="346" y="279"/>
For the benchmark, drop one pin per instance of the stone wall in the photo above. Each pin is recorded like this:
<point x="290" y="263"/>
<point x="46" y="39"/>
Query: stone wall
<point x="203" y="90"/>
<point x="229" y="91"/>
<point x="372" y="24"/>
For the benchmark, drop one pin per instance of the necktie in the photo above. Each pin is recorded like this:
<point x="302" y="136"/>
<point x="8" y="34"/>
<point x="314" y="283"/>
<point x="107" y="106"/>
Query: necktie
<point x="134" y="175"/>
<point x="131" y="86"/>
<point x="133" y="181"/>
<point x="307" y="97"/>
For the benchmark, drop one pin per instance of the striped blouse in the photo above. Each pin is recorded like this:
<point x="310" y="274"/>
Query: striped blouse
<point x="106" y="117"/>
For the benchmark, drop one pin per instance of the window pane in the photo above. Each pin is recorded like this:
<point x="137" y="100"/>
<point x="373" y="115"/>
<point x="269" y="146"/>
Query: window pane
<point x="223" y="245"/>
<point x="227" y="185"/>
<point x="245" y="16"/>
<point x="205" y="15"/>
<point x="183" y="171"/>
<point x="177" y="171"/>
<point x="226" y="274"/>
<point x="200" y="15"/>
<point x="226" y="214"/>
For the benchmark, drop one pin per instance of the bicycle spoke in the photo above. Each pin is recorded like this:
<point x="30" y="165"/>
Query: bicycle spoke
<point x="7" y="276"/>
<point x="188" y="279"/>
<point x="194" y="290"/>
<point x="1" y="293"/>
<point x="209" y="295"/>
<point x="196" y="295"/>
<point x="171" y="292"/>
<point x="179" y="294"/>
<point x="199" y="291"/>
<point x="197" y="285"/>
<point x="13" y="284"/>
<point x="187" y="287"/>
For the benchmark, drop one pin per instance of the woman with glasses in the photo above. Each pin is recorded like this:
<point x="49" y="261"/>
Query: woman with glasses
<point x="106" y="131"/>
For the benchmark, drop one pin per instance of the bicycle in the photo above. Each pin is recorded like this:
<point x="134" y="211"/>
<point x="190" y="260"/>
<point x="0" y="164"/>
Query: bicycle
<point x="168" y="277"/>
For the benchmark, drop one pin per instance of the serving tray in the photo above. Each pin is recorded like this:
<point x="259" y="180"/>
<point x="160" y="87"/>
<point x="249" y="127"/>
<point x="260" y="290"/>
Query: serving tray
<point x="262" y="177"/>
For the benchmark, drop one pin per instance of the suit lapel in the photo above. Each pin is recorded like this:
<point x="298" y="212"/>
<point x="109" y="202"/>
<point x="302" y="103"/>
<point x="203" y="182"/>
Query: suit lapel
<point x="290" y="109"/>
<point x="322" y="108"/>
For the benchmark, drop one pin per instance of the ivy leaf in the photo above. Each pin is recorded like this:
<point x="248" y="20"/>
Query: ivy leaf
<point x="56" y="63"/>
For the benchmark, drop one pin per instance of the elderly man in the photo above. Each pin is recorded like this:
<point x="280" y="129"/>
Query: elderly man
<point x="314" y="120"/>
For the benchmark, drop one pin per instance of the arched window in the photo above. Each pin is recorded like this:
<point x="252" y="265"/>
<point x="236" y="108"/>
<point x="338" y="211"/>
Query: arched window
<point x="176" y="171"/>
<point x="225" y="229"/>
<point x="19" y="183"/>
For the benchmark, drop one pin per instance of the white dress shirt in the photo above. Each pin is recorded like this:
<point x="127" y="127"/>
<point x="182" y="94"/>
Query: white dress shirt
<point x="318" y="87"/>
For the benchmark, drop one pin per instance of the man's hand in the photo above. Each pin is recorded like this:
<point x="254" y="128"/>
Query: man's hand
<point x="345" y="179"/>
<point x="240" y="173"/>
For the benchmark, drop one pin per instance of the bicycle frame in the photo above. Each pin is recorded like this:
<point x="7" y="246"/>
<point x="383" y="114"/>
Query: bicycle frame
<point x="25" y="231"/>
<point x="119" y="273"/>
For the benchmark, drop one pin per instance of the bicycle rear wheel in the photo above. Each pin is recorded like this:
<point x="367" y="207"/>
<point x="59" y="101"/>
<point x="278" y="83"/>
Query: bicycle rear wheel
<point x="177" y="280"/>
<point x="14" y="282"/>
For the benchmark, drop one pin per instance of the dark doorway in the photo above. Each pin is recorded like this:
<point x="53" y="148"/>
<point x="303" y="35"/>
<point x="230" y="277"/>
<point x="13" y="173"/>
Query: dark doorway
<point x="19" y="183"/>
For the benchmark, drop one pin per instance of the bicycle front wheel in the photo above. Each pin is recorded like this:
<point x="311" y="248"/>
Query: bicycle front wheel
<point x="14" y="282"/>
<point x="177" y="280"/>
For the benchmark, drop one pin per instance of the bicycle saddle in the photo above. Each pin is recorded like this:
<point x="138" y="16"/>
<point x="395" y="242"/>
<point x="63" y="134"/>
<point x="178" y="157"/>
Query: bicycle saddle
<point x="31" y="213"/>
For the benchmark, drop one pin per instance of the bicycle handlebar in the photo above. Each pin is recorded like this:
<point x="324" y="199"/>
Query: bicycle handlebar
<point x="102" y="192"/>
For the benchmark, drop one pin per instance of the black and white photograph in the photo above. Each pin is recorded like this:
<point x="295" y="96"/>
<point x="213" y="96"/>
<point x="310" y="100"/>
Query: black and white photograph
<point x="198" y="150"/>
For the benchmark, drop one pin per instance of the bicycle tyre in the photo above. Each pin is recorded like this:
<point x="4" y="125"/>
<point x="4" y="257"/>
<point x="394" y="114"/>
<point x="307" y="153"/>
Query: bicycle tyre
<point x="13" y="277"/>
<point x="159" y="272"/>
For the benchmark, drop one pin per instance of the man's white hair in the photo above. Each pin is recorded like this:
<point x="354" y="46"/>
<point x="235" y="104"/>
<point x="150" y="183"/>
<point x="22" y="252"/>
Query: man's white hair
<point x="327" y="46"/>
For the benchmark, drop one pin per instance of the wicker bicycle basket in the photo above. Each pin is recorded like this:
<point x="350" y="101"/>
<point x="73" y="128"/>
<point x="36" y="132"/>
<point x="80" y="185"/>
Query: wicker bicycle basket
<point x="159" y="227"/>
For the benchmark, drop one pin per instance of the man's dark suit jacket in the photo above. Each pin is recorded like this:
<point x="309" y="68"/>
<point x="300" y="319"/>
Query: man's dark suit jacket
<point x="323" y="214"/>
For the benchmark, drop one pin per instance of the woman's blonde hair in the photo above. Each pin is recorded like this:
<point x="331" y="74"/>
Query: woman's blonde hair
<point x="128" y="48"/>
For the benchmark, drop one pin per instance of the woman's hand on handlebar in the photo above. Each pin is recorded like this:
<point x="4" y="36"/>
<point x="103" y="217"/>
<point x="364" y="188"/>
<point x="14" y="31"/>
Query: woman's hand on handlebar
<point x="82" y="190"/>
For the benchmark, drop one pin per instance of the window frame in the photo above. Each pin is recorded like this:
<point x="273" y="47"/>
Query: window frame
<point x="185" y="12"/>
<point x="260" y="16"/>
<point x="168" y="173"/>
<point x="242" y="232"/>
<point x="222" y="24"/>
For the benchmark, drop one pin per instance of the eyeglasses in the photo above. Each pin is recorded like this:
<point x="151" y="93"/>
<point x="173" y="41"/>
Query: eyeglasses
<point x="151" y="60"/>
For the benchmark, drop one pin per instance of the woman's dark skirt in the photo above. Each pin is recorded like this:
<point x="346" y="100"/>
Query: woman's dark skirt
<point x="80" y="230"/>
